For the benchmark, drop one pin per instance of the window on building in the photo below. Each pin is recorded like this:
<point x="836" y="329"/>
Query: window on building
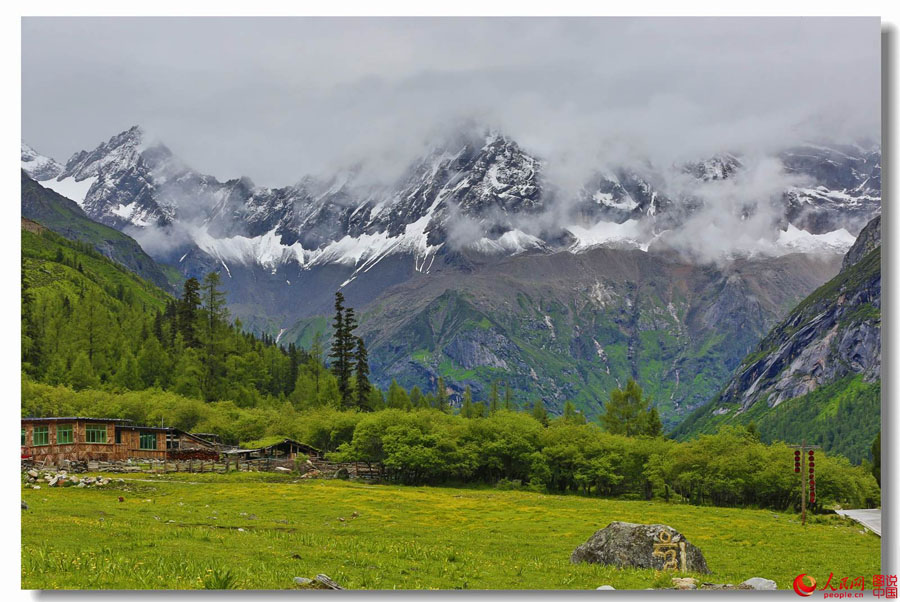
<point x="148" y="440"/>
<point x="118" y="437"/>
<point x="64" y="434"/>
<point x="172" y="441"/>
<point x="41" y="435"/>
<point x="95" y="433"/>
<point x="23" y="436"/>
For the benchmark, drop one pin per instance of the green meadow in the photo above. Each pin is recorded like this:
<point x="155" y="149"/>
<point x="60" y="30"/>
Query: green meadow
<point x="258" y="531"/>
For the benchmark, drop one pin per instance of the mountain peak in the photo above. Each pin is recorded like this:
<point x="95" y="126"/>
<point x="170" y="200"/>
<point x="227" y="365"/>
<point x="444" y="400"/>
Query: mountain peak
<point x="38" y="166"/>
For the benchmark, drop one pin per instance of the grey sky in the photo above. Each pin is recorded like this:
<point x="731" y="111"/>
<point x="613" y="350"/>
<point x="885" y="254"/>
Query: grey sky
<point x="275" y="99"/>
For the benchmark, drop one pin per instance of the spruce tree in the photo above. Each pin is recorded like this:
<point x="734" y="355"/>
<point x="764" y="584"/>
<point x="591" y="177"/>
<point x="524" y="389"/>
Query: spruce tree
<point x="539" y="412"/>
<point x="627" y="412"/>
<point x="214" y="327"/>
<point x="341" y="347"/>
<point x="81" y="374"/>
<point x="187" y="310"/>
<point x="468" y="409"/>
<point x="363" y="386"/>
<point x="507" y="398"/>
<point x="441" y="401"/>
<point x="494" y="399"/>
<point x="416" y="398"/>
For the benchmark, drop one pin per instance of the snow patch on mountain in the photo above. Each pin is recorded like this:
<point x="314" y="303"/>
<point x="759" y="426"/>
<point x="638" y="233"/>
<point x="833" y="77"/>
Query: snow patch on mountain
<point x="71" y="188"/>
<point x="629" y="232"/>
<point x="512" y="242"/>
<point x="796" y="240"/>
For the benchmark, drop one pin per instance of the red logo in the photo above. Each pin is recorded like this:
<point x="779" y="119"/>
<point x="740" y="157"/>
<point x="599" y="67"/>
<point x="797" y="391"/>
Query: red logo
<point x="801" y="588"/>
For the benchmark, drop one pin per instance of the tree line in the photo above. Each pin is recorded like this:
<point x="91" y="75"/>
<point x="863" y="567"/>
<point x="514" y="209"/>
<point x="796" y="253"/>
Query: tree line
<point x="506" y="449"/>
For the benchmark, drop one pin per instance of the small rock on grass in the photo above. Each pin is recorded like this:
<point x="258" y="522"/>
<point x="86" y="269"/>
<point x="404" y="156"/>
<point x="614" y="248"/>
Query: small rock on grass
<point x="684" y="583"/>
<point x="302" y="581"/>
<point x="606" y="587"/>
<point x="760" y="583"/>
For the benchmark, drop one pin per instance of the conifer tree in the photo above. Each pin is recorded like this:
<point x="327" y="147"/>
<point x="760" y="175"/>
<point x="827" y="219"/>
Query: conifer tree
<point x="507" y="398"/>
<point x="468" y="409"/>
<point x="570" y="414"/>
<point x="214" y="324"/>
<point x="494" y="399"/>
<point x="416" y="398"/>
<point x="441" y="401"/>
<point x="397" y="397"/>
<point x="539" y="412"/>
<point x="186" y="311"/>
<point x="127" y="375"/>
<point x="342" y="345"/>
<point x="81" y="374"/>
<point x="627" y="412"/>
<point x="363" y="386"/>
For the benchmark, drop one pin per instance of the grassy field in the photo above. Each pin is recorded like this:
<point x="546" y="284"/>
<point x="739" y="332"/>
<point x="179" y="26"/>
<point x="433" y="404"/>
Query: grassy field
<point x="259" y="531"/>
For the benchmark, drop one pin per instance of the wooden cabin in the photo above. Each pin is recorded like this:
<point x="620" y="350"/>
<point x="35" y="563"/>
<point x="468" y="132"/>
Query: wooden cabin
<point x="76" y="438"/>
<point x="283" y="450"/>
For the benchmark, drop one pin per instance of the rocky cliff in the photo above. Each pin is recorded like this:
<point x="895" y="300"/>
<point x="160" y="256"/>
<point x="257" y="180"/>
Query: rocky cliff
<point x="830" y="342"/>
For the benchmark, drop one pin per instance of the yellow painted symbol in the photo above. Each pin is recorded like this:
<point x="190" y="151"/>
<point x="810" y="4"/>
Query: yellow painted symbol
<point x="668" y="550"/>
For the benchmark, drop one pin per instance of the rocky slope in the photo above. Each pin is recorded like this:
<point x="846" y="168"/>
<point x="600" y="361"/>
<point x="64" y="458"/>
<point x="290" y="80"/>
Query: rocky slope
<point x="831" y="339"/>
<point x="569" y="326"/>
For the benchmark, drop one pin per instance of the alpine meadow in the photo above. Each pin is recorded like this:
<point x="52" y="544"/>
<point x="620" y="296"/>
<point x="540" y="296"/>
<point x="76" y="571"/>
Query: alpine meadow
<point x="602" y="311"/>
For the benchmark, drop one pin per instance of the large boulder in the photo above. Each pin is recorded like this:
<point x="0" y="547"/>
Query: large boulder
<point x="657" y="547"/>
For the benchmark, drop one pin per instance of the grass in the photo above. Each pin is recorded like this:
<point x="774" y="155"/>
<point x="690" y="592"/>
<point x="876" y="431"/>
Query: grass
<point x="258" y="531"/>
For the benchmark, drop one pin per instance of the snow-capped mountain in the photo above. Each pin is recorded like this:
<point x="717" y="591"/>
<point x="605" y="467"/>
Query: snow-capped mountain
<point x="846" y="189"/>
<point x="37" y="166"/>
<point x="480" y="193"/>
<point x="474" y="256"/>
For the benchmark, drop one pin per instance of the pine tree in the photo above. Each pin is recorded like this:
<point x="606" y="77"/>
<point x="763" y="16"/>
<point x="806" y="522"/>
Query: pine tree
<point x="363" y="386"/>
<point x="186" y="311"/>
<point x="153" y="364"/>
<point x="570" y="414"/>
<point x="397" y="397"/>
<point x="539" y="412"/>
<point x="416" y="398"/>
<point x="507" y="398"/>
<point x="468" y="409"/>
<point x="342" y="346"/>
<point x="316" y="362"/>
<point x="81" y="374"/>
<point x="214" y="321"/>
<point x="127" y="376"/>
<point x="627" y="413"/>
<point x="494" y="399"/>
<point x="441" y="401"/>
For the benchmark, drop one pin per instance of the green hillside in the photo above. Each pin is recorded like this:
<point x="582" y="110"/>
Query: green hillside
<point x="66" y="218"/>
<point x="90" y="323"/>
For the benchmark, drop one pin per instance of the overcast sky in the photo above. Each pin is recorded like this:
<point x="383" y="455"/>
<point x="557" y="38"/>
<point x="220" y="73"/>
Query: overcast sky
<point x="275" y="99"/>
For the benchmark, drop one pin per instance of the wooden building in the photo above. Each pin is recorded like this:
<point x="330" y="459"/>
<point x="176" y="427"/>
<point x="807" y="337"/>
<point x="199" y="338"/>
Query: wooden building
<point x="53" y="440"/>
<point x="283" y="450"/>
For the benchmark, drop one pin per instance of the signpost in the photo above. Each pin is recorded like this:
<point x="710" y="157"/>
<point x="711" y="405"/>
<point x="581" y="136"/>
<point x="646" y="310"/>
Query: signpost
<point x="800" y="466"/>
